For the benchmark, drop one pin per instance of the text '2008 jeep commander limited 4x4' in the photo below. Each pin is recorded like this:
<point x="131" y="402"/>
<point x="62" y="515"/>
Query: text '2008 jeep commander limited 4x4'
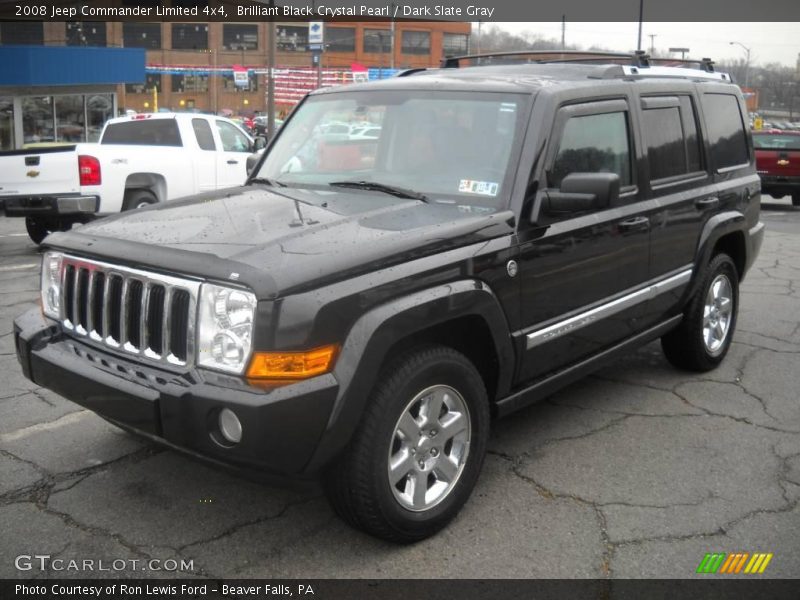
<point x="363" y="306"/>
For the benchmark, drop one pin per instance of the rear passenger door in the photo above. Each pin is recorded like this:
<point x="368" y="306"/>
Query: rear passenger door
<point x="582" y="273"/>
<point x="686" y="164"/>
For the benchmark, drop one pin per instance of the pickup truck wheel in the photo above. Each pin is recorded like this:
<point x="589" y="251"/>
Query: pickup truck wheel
<point x="418" y="451"/>
<point x="38" y="228"/>
<point x="704" y="336"/>
<point x="137" y="199"/>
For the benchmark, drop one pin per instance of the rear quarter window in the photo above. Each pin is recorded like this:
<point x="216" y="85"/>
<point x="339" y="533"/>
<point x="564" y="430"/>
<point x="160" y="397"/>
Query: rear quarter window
<point x="726" y="133"/>
<point x="152" y="132"/>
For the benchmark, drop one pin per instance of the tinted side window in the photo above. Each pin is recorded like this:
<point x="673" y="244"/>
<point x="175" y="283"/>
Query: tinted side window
<point x="670" y="133"/>
<point x="594" y="144"/>
<point x="726" y="133"/>
<point x="202" y="131"/>
<point x="154" y="132"/>
<point x="663" y="134"/>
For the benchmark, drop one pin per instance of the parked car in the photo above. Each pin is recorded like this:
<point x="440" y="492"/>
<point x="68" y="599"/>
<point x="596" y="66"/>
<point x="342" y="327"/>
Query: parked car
<point x="360" y="315"/>
<point x="140" y="160"/>
<point x="778" y="162"/>
<point x="260" y="125"/>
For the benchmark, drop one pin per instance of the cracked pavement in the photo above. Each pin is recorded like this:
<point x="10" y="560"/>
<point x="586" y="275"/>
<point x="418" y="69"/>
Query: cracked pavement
<point x="635" y="471"/>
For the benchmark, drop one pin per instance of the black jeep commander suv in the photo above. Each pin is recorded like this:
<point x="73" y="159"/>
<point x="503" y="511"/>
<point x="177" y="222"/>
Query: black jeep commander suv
<point x="363" y="305"/>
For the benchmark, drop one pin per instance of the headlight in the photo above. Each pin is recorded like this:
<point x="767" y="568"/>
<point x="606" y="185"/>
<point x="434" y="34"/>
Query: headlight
<point x="51" y="284"/>
<point x="225" y="327"/>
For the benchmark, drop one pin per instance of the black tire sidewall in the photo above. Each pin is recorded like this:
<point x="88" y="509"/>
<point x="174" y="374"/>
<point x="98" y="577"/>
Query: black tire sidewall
<point x="37" y="229"/>
<point x="455" y="371"/>
<point x="133" y="198"/>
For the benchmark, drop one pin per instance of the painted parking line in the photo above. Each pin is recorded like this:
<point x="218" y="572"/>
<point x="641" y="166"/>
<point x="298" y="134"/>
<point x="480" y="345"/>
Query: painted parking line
<point x="19" y="267"/>
<point x="13" y="235"/>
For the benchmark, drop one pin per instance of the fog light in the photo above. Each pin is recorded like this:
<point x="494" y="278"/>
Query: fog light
<point x="229" y="426"/>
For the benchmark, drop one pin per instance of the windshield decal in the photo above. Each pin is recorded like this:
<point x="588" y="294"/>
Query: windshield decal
<point x="484" y="188"/>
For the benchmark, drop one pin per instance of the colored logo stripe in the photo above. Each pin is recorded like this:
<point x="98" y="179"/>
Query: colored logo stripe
<point x="720" y="562"/>
<point x="711" y="562"/>
<point x="758" y="563"/>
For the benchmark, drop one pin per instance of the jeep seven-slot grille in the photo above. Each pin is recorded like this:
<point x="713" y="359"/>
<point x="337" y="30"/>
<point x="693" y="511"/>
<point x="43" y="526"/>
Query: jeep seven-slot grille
<point x="132" y="311"/>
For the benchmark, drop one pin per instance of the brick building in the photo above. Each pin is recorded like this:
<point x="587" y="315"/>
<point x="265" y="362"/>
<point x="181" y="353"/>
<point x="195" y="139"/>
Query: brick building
<point x="193" y="65"/>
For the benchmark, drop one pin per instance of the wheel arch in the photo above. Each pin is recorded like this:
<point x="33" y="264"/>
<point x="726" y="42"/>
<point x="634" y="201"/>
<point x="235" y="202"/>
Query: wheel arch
<point x="464" y="315"/>
<point x="155" y="183"/>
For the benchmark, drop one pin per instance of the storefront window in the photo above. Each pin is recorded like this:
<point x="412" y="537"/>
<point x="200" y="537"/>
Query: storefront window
<point x="37" y="119"/>
<point x="6" y="124"/>
<point x="99" y="109"/>
<point x="189" y="83"/>
<point x="70" y="122"/>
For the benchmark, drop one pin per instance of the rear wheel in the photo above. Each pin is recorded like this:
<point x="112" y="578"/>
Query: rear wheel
<point x="39" y="228"/>
<point x="418" y="451"/>
<point x="137" y="199"/>
<point x="704" y="336"/>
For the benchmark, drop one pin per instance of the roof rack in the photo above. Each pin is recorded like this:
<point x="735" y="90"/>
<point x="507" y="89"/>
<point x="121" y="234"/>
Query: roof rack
<point x="538" y="56"/>
<point x="638" y="64"/>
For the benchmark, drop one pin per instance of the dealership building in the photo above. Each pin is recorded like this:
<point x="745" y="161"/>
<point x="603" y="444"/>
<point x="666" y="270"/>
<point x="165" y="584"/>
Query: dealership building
<point x="60" y="81"/>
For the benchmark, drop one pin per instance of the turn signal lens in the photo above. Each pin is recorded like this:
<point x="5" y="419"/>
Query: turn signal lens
<point x="291" y="365"/>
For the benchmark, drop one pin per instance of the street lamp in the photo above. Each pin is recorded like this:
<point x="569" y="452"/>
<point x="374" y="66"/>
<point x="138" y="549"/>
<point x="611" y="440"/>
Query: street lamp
<point x="747" y="64"/>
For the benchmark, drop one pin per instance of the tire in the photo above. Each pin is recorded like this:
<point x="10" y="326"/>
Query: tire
<point x="795" y="199"/>
<point x="39" y="228"/>
<point x="358" y="484"/>
<point x="693" y="346"/>
<point x="134" y="199"/>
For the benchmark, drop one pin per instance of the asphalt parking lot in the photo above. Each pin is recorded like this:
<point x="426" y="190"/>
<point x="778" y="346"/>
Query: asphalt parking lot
<point x="636" y="471"/>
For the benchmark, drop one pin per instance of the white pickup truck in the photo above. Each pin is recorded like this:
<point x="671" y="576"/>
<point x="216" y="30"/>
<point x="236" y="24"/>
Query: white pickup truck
<point x="140" y="160"/>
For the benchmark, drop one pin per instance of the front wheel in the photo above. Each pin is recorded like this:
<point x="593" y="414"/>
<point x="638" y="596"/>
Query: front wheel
<point x="418" y="451"/>
<point x="704" y="336"/>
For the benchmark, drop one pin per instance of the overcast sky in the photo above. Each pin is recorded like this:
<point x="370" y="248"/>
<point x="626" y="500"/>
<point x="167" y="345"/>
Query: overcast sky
<point x="768" y="42"/>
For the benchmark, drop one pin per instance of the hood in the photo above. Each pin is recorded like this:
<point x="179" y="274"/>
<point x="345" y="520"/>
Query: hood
<point x="279" y="240"/>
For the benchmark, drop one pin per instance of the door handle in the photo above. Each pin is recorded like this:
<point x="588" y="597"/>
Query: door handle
<point x="707" y="203"/>
<point x="635" y="224"/>
<point x="233" y="162"/>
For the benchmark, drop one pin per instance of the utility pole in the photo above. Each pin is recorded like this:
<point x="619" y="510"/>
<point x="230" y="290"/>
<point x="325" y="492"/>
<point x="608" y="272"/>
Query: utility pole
<point x="271" y="49"/>
<point x="563" y="31"/>
<point x="391" y="41"/>
<point x="641" y="18"/>
<point x="652" y="37"/>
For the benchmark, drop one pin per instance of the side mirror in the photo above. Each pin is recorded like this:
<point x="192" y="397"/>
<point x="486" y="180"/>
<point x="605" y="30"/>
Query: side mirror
<point x="580" y="192"/>
<point x="260" y="143"/>
<point x="252" y="161"/>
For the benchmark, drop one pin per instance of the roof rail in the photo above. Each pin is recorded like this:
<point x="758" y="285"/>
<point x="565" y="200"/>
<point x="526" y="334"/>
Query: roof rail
<point x="537" y="56"/>
<point x="638" y="64"/>
<point x="411" y="71"/>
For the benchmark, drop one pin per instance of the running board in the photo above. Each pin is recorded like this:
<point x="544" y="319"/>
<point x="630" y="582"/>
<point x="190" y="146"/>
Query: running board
<point x="545" y="387"/>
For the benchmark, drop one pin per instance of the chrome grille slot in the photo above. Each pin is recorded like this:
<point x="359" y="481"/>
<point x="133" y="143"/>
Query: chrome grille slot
<point x="131" y="311"/>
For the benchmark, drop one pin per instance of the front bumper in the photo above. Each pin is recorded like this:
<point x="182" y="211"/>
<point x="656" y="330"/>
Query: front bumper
<point x="50" y="205"/>
<point x="280" y="426"/>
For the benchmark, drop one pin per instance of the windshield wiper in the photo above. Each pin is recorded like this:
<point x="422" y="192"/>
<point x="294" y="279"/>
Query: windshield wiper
<point x="267" y="181"/>
<point x="381" y="187"/>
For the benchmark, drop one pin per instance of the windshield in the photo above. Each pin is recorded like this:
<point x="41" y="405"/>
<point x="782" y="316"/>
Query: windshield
<point x="765" y="141"/>
<point x="451" y="147"/>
